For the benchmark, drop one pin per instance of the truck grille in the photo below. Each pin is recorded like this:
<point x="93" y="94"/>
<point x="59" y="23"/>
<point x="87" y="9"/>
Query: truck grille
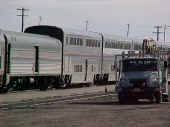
<point x="138" y="83"/>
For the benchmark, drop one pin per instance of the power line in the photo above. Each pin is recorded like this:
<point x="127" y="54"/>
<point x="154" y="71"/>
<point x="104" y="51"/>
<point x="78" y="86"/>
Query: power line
<point x="22" y="17"/>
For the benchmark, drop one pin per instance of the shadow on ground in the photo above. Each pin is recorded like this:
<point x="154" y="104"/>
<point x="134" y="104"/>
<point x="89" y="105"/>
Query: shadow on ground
<point x="111" y="103"/>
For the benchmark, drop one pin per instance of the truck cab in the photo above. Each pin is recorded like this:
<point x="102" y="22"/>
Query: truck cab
<point x="141" y="78"/>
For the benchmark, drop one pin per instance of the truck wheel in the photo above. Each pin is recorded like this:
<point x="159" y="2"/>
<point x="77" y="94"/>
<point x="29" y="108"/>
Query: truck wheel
<point x="151" y="99"/>
<point x="158" y="99"/>
<point x="166" y="100"/>
<point x="121" y="99"/>
<point x="134" y="100"/>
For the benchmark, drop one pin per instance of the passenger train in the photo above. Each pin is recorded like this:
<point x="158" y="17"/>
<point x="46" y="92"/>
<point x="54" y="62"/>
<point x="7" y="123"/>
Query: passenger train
<point x="48" y="56"/>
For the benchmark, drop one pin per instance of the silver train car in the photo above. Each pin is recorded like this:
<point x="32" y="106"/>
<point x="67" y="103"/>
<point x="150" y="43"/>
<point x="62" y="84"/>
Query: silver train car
<point x="47" y="56"/>
<point x="88" y="57"/>
<point x="28" y="59"/>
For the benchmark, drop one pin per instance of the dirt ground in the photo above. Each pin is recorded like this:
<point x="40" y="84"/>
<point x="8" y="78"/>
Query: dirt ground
<point x="98" y="112"/>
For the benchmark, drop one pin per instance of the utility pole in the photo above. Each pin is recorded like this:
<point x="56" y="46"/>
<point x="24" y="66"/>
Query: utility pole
<point x="87" y="22"/>
<point x="128" y="25"/>
<point x="22" y="17"/>
<point x="165" y="27"/>
<point x="158" y="31"/>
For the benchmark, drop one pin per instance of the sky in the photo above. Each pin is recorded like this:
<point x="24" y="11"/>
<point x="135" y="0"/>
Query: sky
<point x="106" y="16"/>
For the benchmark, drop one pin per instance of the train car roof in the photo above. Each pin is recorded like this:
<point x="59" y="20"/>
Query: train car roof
<point x="58" y="33"/>
<point x="25" y="34"/>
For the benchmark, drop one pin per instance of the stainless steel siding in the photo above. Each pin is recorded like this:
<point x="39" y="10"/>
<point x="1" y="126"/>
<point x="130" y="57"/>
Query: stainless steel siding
<point x="50" y="62"/>
<point x="21" y="61"/>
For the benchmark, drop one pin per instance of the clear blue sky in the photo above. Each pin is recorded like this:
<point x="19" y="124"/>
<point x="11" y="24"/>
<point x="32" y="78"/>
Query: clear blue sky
<point x="108" y="16"/>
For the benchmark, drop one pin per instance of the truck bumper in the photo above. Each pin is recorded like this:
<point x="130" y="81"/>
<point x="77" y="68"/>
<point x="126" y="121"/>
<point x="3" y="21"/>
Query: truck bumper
<point x="138" y="93"/>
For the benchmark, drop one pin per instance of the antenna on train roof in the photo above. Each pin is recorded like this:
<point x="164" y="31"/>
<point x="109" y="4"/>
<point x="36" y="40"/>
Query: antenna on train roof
<point x="40" y="19"/>
<point x="128" y="25"/>
<point x="87" y="22"/>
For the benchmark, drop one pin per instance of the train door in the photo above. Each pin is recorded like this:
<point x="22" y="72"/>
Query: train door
<point x="36" y="60"/>
<point x="4" y="61"/>
<point x="1" y="59"/>
<point x="86" y="69"/>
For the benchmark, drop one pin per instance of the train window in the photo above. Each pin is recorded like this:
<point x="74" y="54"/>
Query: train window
<point x="71" y="41"/>
<point x="135" y="47"/>
<point x="98" y="45"/>
<point x="8" y="58"/>
<point x="114" y="45"/>
<point x="92" y="43"/>
<point x="78" y="68"/>
<point x="129" y="47"/>
<point x="92" y="68"/>
<point x="112" y="68"/>
<point x="95" y="43"/>
<point x="67" y="40"/>
<point x="118" y="44"/>
<point x="87" y="42"/>
<point x="77" y="41"/>
<point x="106" y="45"/>
<point x="81" y="41"/>
<point x="121" y="45"/>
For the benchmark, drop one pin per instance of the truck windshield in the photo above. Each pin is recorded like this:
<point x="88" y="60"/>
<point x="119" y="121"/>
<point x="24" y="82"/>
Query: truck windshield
<point x="130" y="65"/>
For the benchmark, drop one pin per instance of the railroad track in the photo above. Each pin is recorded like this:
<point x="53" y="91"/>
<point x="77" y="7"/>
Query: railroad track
<point x="48" y="101"/>
<point x="60" y="88"/>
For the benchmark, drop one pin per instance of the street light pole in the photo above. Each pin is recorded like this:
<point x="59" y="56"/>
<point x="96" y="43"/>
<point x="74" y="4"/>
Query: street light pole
<point x="102" y="37"/>
<point x="102" y="60"/>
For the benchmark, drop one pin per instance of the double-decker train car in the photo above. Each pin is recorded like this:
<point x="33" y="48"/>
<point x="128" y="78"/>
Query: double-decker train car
<point x="46" y="56"/>
<point x="87" y="56"/>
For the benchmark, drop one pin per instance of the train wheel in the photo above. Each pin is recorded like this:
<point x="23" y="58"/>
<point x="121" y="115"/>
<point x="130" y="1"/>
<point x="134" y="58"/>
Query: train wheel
<point x="151" y="99"/>
<point x="64" y="85"/>
<point x="43" y="84"/>
<point x="158" y="100"/>
<point x="3" y="90"/>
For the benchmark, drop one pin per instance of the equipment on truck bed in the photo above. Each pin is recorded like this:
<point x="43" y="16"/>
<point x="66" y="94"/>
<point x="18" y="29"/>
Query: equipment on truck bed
<point x="142" y="75"/>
